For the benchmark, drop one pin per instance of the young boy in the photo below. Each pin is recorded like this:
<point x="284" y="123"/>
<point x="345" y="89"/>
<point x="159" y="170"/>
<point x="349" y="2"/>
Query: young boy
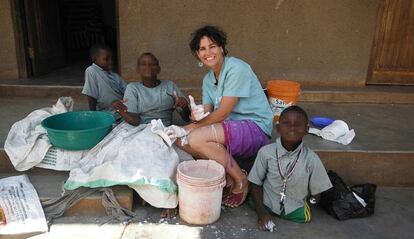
<point x="151" y="98"/>
<point x="286" y="172"/>
<point x="102" y="86"/>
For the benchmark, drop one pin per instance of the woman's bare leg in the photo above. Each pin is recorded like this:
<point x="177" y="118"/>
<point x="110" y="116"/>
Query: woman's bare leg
<point x="209" y="141"/>
<point x="189" y="150"/>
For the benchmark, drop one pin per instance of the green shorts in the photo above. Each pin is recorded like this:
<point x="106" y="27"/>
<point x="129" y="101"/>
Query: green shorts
<point x="300" y="215"/>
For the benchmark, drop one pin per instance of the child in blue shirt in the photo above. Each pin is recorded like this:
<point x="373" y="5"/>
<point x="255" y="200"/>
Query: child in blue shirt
<point x="151" y="98"/>
<point x="287" y="172"/>
<point x="102" y="86"/>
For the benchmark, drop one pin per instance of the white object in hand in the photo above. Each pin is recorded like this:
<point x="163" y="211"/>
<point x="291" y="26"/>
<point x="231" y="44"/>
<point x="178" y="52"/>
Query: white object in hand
<point x="270" y="225"/>
<point x="197" y="110"/>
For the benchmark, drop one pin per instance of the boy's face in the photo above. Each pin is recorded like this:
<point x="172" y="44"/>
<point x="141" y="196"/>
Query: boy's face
<point x="103" y="59"/>
<point x="292" y="127"/>
<point x="148" y="68"/>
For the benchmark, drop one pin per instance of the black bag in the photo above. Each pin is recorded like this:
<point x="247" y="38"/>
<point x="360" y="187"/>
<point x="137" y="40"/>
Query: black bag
<point x="340" y="202"/>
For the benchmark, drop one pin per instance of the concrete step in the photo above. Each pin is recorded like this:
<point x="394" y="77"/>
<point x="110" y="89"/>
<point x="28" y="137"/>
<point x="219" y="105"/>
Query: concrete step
<point x="49" y="185"/>
<point x="382" y="151"/>
<point x="369" y="94"/>
<point x="384" y="168"/>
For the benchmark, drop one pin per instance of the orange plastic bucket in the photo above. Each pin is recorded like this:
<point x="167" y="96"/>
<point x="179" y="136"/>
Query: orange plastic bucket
<point x="282" y="94"/>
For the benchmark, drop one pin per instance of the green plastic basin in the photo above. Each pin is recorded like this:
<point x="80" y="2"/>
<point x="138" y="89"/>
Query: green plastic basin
<point x="78" y="130"/>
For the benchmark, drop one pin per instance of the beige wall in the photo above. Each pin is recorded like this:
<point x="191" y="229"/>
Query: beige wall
<point x="8" y="62"/>
<point x="316" y="42"/>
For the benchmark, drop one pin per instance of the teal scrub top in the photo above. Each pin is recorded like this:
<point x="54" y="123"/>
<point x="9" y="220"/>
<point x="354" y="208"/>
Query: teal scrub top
<point x="237" y="79"/>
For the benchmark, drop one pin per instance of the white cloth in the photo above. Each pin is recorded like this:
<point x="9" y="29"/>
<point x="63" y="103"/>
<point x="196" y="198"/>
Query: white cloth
<point x="169" y="134"/>
<point x="133" y="156"/>
<point x="338" y="131"/>
<point x="27" y="141"/>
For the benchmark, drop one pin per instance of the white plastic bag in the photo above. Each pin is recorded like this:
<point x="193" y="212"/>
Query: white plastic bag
<point x="20" y="208"/>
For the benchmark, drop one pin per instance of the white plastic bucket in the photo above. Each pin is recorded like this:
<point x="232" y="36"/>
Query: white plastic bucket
<point x="200" y="189"/>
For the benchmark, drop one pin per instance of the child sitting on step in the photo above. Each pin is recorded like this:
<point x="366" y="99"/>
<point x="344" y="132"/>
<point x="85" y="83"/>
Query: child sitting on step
<point x="102" y="86"/>
<point x="287" y="172"/>
<point x="151" y="98"/>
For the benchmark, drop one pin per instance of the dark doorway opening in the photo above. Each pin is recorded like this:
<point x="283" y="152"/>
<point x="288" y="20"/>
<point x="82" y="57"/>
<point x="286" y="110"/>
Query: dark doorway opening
<point x="57" y="36"/>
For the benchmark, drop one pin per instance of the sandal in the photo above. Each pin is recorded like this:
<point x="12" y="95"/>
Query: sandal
<point x="234" y="200"/>
<point x="227" y="190"/>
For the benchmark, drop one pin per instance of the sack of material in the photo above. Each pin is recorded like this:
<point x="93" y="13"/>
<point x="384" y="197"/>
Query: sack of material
<point x="27" y="142"/>
<point x="344" y="203"/>
<point x="135" y="156"/>
<point x="20" y="209"/>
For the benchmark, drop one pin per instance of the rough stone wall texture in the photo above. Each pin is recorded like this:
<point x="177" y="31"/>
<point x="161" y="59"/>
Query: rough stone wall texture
<point x="316" y="42"/>
<point x="8" y="63"/>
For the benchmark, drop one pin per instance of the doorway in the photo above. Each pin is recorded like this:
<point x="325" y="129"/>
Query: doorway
<point x="392" y="58"/>
<point x="57" y="36"/>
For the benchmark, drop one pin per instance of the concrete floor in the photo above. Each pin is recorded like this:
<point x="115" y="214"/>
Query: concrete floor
<point x="379" y="127"/>
<point x="393" y="218"/>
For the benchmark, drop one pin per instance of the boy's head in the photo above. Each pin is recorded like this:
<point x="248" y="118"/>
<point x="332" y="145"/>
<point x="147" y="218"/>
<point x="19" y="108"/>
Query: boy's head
<point x="101" y="55"/>
<point x="148" y="66"/>
<point x="293" y="124"/>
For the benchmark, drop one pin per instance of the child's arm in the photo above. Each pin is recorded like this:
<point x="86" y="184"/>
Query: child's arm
<point x="129" y="117"/>
<point x="92" y="103"/>
<point x="262" y="214"/>
<point x="185" y="113"/>
<point x="182" y="103"/>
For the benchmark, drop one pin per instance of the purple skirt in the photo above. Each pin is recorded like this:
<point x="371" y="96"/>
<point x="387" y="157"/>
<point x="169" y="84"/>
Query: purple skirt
<point x="243" y="138"/>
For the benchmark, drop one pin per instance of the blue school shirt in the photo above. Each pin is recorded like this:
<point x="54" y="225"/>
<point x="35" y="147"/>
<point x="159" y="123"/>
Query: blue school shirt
<point x="152" y="103"/>
<point x="237" y="79"/>
<point x="104" y="86"/>
<point x="308" y="178"/>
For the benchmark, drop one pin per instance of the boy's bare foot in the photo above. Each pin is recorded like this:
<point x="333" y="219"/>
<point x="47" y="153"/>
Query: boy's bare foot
<point x="168" y="213"/>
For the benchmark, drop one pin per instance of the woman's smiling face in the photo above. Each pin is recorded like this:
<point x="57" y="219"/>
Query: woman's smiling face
<point x="210" y="53"/>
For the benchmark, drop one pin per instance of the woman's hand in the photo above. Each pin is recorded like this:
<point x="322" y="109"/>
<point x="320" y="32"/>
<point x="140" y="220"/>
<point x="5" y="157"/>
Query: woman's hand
<point x="197" y="111"/>
<point x="190" y="127"/>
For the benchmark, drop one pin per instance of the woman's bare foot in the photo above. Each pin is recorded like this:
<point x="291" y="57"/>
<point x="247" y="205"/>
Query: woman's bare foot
<point x="168" y="213"/>
<point x="238" y="195"/>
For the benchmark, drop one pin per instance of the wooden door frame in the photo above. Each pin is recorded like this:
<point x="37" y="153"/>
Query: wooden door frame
<point x="118" y="52"/>
<point x="19" y="29"/>
<point x="403" y="76"/>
